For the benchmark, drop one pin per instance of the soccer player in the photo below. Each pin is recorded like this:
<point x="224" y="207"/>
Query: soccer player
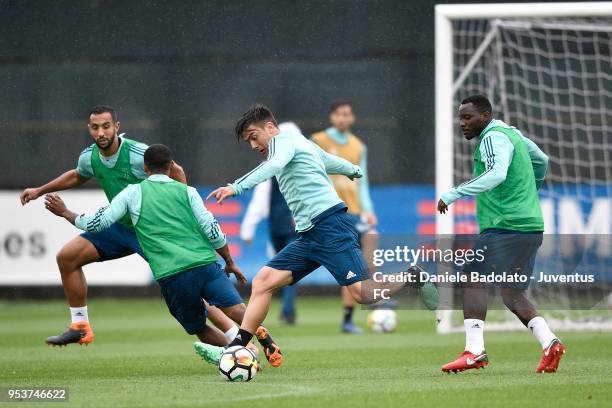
<point x="508" y="171"/>
<point x="326" y="235"/>
<point x="268" y="202"/>
<point x="116" y="162"/>
<point x="179" y="238"/>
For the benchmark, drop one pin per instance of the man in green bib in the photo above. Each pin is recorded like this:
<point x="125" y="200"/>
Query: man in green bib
<point x="116" y="162"/>
<point x="180" y="239"/>
<point x="508" y="171"/>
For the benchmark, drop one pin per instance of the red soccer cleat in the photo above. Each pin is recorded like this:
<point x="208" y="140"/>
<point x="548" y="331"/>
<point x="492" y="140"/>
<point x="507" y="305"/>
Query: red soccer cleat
<point x="467" y="361"/>
<point x="551" y="357"/>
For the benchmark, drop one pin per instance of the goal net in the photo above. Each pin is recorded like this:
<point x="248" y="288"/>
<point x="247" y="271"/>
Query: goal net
<point x="547" y="69"/>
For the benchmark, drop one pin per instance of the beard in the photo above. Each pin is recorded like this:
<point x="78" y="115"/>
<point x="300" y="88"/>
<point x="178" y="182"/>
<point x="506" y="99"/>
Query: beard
<point x="109" y="142"/>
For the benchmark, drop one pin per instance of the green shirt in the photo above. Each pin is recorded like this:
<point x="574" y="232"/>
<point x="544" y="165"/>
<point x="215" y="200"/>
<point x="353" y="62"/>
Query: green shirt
<point x="514" y="203"/>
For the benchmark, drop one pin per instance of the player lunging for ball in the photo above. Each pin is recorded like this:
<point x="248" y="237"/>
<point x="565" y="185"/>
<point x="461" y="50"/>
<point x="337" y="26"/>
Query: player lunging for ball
<point x="508" y="171"/>
<point x="326" y="235"/>
<point x="179" y="237"/>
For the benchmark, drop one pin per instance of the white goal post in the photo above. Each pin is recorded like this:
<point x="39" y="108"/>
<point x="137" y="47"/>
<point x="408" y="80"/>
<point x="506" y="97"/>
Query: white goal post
<point x="552" y="22"/>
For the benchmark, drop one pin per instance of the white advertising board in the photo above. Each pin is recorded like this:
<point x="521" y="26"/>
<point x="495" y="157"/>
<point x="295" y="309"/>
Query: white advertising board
<point x="31" y="236"/>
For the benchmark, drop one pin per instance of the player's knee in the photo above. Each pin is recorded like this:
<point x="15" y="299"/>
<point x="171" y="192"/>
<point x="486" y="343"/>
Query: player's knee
<point x="64" y="260"/>
<point x="262" y="281"/>
<point x="510" y="299"/>
<point x="355" y="292"/>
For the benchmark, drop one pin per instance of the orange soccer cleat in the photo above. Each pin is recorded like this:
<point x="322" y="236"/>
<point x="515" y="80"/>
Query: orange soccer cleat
<point x="271" y="350"/>
<point x="79" y="332"/>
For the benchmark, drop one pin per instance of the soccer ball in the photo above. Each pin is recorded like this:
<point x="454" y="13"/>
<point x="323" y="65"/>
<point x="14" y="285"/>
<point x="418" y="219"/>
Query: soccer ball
<point x="382" y="320"/>
<point x="238" y="363"/>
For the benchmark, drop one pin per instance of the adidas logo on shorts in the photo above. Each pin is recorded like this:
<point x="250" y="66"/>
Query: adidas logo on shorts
<point x="350" y="275"/>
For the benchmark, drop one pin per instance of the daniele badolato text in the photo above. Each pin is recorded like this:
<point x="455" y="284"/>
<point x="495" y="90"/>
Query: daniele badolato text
<point x="479" y="277"/>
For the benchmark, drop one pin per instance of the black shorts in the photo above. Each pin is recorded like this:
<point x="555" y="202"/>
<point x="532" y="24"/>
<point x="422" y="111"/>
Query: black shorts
<point x="509" y="257"/>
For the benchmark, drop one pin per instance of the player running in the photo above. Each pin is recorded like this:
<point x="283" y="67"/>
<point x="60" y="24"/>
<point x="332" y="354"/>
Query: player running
<point x="116" y="162"/>
<point x="340" y="141"/>
<point x="179" y="238"/>
<point x="326" y="235"/>
<point x="508" y="171"/>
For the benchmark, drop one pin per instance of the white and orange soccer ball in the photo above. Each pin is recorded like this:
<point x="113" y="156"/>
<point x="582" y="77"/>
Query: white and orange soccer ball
<point x="382" y="320"/>
<point x="238" y="363"/>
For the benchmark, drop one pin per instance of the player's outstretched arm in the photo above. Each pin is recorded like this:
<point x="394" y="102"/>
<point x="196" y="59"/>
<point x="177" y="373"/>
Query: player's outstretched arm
<point x="281" y="150"/>
<point x="496" y="152"/>
<point x="66" y="181"/>
<point x="230" y="265"/>
<point x="337" y="165"/>
<point x="102" y="219"/>
<point x="56" y="205"/>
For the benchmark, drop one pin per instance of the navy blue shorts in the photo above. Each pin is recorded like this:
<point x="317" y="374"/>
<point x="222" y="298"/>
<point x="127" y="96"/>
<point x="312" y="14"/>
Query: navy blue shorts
<point x="115" y="242"/>
<point x="361" y="226"/>
<point x="333" y="243"/>
<point x="509" y="252"/>
<point x="184" y="292"/>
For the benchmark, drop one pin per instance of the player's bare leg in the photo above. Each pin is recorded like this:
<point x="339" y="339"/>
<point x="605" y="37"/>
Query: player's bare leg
<point x="70" y="260"/>
<point x="552" y="349"/>
<point x="212" y="335"/>
<point x="266" y="282"/>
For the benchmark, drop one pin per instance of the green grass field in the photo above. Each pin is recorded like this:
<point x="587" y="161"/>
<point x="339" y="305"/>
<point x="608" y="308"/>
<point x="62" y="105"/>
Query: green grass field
<point x="142" y="358"/>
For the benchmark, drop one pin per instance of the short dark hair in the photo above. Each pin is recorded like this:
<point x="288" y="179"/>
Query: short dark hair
<point x="480" y="102"/>
<point x="99" y="109"/>
<point x="158" y="157"/>
<point x="340" y="102"/>
<point x="256" y="114"/>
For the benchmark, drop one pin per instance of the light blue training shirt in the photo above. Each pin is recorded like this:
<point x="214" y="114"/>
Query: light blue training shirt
<point x="301" y="168"/>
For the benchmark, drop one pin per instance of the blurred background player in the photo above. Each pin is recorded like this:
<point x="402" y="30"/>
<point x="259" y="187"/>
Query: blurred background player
<point x="268" y="202"/>
<point x="340" y="141"/>
<point x="180" y="239"/>
<point x="116" y="162"/>
<point x="508" y="171"/>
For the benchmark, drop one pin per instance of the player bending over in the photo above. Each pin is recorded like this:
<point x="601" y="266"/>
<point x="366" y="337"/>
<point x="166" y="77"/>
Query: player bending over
<point x="508" y="171"/>
<point x="179" y="238"/>
<point x="326" y="234"/>
<point x="116" y="162"/>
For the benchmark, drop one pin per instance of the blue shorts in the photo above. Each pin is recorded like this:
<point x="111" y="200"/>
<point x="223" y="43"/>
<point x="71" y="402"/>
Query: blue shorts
<point x="512" y="252"/>
<point x="361" y="226"/>
<point x="115" y="242"/>
<point x="333" y="243"/>
<point x="184" y="292"/>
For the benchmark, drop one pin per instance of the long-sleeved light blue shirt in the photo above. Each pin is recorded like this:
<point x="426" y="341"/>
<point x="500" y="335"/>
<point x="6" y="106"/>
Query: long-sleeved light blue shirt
<point x="301" y="168"/>
<point x="365" y="201"/>
<point x="496" y="151"/>
<point x="129" y="200"/>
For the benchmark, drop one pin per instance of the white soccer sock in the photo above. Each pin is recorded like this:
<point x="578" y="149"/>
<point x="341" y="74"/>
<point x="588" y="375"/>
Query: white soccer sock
<point x="474" y="335"/>
<point x="79" y="314"/>
<point x="540" y="330"/>
<point x="231" y="333"/>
